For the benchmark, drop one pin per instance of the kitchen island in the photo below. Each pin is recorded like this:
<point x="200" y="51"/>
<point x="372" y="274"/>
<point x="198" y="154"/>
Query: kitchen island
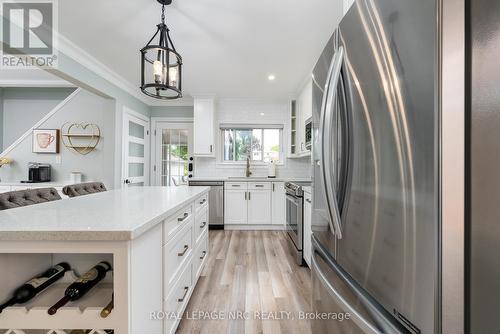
<point x="156" y="239"/>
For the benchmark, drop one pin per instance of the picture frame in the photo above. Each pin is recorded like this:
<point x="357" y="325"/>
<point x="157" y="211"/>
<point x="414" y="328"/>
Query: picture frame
<point x="45" y="141"/>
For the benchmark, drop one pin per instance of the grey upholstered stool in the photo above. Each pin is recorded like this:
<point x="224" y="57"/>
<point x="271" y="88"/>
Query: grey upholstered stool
<point x="81" y="189"/>
<point x="16" y="199"/>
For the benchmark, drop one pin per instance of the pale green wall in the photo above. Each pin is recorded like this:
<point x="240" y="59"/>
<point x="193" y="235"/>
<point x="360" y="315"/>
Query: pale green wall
<point x="180" y="111"/>
<point x="25" y="106"/>
<point x="74" y="72"/>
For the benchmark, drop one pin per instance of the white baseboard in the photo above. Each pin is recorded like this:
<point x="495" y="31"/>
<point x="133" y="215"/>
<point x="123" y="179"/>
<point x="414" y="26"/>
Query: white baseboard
<point x="245" y="227"/>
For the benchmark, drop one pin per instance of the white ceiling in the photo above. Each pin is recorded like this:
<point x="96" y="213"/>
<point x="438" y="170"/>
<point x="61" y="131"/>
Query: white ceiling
<point x="229" y="47"/>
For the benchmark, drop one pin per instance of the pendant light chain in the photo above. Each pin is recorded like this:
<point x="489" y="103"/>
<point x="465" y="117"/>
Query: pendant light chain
<point x="163" y="14"/>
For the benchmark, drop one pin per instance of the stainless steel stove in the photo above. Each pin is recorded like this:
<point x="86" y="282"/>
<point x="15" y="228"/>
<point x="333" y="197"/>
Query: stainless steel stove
<point x="295" y="218"/>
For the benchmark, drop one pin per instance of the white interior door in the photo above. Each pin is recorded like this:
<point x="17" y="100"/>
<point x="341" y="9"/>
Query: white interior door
<point x="173" y="151"/>
<point x="135" y="150"/>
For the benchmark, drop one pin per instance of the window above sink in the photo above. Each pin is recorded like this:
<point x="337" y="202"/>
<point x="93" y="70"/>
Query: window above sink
<point x="262" y="144"/>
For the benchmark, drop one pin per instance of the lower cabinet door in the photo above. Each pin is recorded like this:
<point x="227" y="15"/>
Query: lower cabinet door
<point x="176" y="302"/>
<point x="259" y="207"/>
<point x="200" y="224"/>
<point x="278" y="203"/>
<point x="176" y="253"/>
<point x="307" y="229"/>
<point x="235" y="207"/>
<point x="200" y="256"/>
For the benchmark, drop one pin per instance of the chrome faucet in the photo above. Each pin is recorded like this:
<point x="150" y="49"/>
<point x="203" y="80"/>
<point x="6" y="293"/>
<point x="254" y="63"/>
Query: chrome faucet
<point x="248" y="172"/>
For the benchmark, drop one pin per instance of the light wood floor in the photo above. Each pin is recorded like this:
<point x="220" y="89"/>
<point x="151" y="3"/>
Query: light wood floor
<point x="250" y="271"/>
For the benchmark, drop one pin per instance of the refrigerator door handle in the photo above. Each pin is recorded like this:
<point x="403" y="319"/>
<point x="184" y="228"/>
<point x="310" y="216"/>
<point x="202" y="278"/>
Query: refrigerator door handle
<point x="385" y="323"/>
<point x="329" y="101"/>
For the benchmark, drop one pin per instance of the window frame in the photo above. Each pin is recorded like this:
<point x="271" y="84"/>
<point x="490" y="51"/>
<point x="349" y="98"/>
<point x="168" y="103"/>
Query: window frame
<point x="251" y="127"/>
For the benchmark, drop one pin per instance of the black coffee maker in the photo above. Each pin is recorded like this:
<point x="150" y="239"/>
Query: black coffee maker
<point x="38" y="172"/>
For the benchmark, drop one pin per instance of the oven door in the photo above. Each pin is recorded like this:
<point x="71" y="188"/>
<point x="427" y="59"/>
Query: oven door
<point x="294" y="220"/>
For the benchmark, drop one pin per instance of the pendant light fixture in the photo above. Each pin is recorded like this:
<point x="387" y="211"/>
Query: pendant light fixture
<point x="161" y="65"/>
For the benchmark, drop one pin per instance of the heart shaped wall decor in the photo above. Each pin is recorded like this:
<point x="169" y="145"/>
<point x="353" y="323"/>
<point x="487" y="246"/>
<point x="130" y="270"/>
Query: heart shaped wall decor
<point x="82" y="138"/>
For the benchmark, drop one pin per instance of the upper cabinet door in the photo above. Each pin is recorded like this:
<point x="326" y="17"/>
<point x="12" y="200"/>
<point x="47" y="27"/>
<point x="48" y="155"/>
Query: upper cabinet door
<point x="204" y="132"/>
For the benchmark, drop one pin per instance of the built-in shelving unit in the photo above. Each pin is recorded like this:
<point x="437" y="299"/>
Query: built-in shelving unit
<point x="82" y="314"/>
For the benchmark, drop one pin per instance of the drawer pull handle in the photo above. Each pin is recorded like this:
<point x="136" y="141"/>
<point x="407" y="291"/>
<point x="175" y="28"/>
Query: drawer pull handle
<point x="259" y="186"/>
<point x="203" y="225"/>
<point x="183" y="217"/>
<point x="186" y="290"/>
<point x="235" y="185"/>
<point x="203" y="256"/>
<point x="186" y="247"/>
<point x="308" y="200"/>
<point x="204" y="200"/>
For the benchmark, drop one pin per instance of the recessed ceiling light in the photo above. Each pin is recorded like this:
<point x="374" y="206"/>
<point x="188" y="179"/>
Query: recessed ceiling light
<point x="271" y="77"/>
<point x="262" y="114"/>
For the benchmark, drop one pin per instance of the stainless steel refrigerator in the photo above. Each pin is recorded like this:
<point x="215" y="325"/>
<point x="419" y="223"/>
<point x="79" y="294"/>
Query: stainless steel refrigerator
<point x="483" y="238"/>
<point x="377" y="154"/>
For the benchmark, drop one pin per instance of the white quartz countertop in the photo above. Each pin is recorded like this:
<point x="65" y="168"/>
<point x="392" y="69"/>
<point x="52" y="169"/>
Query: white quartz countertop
<point x="249" y="179"/>
<point x="36" y="184"/>
<point x="121" y="214"/>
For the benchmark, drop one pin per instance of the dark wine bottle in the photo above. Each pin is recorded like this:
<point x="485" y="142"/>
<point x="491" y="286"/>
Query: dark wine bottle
<point x="107" y="310"/>
<point x="81" y="286"/>
<point x="35" y="285"/>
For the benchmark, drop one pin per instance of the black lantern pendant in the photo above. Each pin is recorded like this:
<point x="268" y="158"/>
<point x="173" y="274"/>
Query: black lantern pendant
<point x="161" y="67"/>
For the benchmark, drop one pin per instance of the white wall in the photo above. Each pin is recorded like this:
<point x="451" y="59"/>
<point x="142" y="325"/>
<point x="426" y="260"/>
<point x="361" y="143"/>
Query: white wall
<point x="98" y="165"/>
<point x="249" y="111"/>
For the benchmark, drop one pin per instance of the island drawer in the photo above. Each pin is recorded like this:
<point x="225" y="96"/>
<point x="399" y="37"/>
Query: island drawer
<point x="176" y="253"/>
<point x="200" y="255"/>
<point x="175" y="222"/>
<point x="235" y="185"/>
<point x="177" y="300"/>
<point x="200" y="224"/>
<point x="201" y="202"/>
<point x="259" y="185"/>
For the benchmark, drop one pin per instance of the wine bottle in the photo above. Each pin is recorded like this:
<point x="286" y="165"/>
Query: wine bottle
<point x="107" y="310"/>
<point x="81" y="286"/>
<point x="35" y="285"/>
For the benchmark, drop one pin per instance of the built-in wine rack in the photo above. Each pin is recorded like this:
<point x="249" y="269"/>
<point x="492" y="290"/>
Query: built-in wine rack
<point x="82" y="316"/>
<point x="89" y="306"/>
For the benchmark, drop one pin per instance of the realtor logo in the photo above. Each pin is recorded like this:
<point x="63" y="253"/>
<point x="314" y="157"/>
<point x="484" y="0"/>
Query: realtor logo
<point x="28" y="33"/>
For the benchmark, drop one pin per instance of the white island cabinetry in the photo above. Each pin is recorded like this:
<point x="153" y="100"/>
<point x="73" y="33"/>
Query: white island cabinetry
<point x="155" y="238"/>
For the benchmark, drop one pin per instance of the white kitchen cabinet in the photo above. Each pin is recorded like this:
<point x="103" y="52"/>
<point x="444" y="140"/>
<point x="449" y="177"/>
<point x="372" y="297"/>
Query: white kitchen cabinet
<point x="278" y="203"/>
<point x="307" y="228"/>
<point x="235" y="206"/>
<point x="259" y="207"/>
<point x="249" y="203"/>
<point x="203" y="127"/>
<point x="300" y="112"/>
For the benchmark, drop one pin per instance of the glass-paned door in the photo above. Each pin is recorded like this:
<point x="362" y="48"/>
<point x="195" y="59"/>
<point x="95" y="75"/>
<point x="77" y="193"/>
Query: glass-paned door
<point x="135" y="151"/>
<point x="174" y="145"/>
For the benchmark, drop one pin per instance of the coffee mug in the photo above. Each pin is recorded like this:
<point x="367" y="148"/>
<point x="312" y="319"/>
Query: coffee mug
<point x="44" y="139"/>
